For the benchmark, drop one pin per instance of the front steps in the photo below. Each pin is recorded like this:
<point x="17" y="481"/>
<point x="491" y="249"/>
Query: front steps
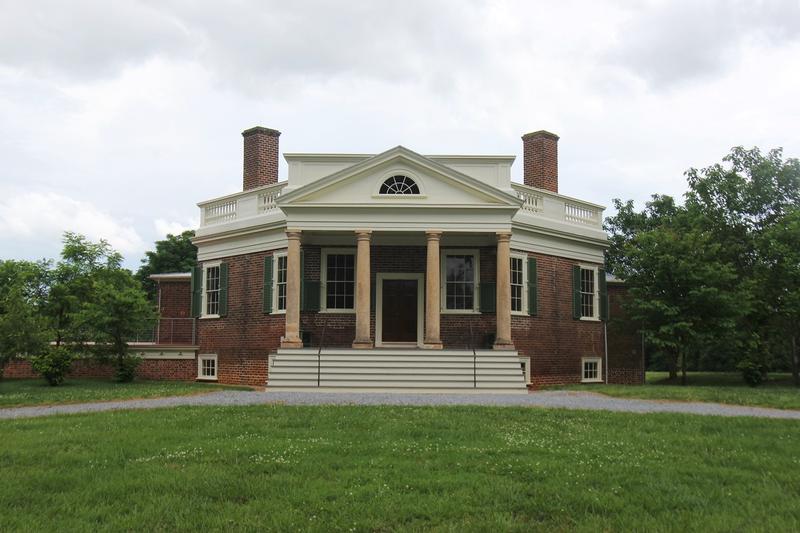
<point x="396" y="370"/>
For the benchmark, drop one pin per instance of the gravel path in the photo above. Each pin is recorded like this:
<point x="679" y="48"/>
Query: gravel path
<point x="557" y="399"/>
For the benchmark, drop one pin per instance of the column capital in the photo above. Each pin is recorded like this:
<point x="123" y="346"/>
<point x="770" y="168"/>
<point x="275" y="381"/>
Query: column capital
<point x="433" y="234"/>
<point x="503" y="236"/>
<point x="363" y="234"/>
<point x="293" y="234"/>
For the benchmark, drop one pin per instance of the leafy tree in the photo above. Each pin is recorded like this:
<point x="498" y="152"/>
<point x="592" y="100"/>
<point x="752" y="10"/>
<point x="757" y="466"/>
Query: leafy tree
<point x="22" y="328"/>
<point x="712" y="280"/>
<point x="71" y="284"/>
<point x="118" y="311"/>
<point x="176" y="253"/>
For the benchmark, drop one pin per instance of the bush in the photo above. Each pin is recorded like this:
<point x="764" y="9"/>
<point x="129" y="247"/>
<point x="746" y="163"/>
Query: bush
<point x="752" y="373"/>
<point x="126" y="368"/>
<point x="53" y="364"/>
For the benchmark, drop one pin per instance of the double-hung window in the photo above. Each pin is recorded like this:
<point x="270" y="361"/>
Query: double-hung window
<point x="592" y="371"/>
<point x="588" y="293"/>
<point x="211" y="292"/>
<point x="279" y="290"/>
<point x="460" y="272"/>
<point x="339" y="280"/>
<point x="207" y="366"/>
<point x="518" y="281"/>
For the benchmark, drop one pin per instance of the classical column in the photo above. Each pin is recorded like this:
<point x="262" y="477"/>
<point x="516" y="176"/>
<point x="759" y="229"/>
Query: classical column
<point x="503" y="335"/>
<point x="363" y="339"/>
<point x="291" y="338"/>
<point x="432" y="299"/>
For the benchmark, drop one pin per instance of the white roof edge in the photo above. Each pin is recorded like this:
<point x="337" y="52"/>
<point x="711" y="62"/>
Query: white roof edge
<point x="171" y="276"/>
<point x="325" y="155"/>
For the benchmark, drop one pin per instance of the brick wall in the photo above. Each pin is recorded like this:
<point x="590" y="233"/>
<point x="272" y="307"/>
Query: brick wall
<point x="624" y="341"/>
<point x="243" y="339"/>
<point x="175" y="302"/>
<point x="166" y="369"/>
<point x="553" y="340"/>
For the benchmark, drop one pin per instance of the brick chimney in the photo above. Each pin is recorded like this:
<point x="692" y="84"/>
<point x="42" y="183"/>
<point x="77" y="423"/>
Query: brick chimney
<point x="540" y="160"/>
<point x="260" y="157"/>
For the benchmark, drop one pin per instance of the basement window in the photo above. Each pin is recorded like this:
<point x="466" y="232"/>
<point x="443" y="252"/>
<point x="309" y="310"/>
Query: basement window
<point x="592" y="370"/>
<point x="207" y="367"/>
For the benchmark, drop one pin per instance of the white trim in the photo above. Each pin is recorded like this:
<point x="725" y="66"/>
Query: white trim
<point x="524" y="303"/>
<point x="207" y="357"/>
<point x="526" y="368"/>
<point x="204" y="307"/>
<point x="476" y="305"/>
<point x="275" y="256"/>
<point x="593" y="359"/>
<point x="379" y="277"/>
<point x="596" y="301"/>
<point x="323" y="278"/>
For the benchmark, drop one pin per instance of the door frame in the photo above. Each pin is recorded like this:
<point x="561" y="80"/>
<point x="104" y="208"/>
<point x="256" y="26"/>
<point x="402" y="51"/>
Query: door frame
<point x="379" y="277"/>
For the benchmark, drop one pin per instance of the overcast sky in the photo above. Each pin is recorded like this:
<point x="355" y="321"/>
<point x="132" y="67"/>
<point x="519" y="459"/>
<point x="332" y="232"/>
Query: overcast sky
<point x="116" y="117"/>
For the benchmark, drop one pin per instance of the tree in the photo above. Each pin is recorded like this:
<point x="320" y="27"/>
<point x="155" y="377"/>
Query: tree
<point x="22" y="328"/>
<point x="176" y="253"/>
<point x="118" y="311"/>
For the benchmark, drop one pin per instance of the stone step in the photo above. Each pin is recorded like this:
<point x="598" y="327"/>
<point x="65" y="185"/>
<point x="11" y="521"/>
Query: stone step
<point x="400" y="370"/>
<point x="392" y="351"/>
<point x="376" y="384"/>
<point x="366" y="376"/>
<point x="398" y="390"/>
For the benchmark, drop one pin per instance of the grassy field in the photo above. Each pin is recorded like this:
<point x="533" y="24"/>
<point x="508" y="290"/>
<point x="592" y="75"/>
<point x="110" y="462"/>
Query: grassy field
<point x="19" y="392"/>
<point x="349" y="468"/>
<point x="722" y="387"/>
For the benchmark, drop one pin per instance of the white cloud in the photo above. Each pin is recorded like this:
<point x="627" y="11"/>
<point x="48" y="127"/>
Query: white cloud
<point x="44" y="217"/>
<point x="173" y="227"/>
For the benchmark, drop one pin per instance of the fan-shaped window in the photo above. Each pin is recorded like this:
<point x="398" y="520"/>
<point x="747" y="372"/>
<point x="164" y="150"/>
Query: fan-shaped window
<point x="399" y="185"/>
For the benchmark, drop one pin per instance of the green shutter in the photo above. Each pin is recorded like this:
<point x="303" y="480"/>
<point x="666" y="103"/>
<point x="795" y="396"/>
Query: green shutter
<point x="267" y="291"/>
<point x="311" y="296"/>
<point x="601" y="280"/>
<point x="533" y="287"/>
<point x="488" y="295"/>
<point x="223" y="289"/>
<point x="197" y="290"/>
<point x="576" y="292"/>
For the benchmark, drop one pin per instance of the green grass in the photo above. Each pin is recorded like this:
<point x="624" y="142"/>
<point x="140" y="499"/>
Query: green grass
<point x="721" y="387"/>
<point x="19" y="392"/>
<point x="334" y="468"/>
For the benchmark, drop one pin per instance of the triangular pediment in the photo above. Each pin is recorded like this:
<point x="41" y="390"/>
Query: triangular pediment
<point x="360" y="185"/>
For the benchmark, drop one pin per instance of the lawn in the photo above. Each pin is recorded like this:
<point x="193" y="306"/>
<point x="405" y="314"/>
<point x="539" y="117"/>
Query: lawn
<point x="19" y="392"/>
<point x="334" y="468"/>
<point x="722" y="387"/>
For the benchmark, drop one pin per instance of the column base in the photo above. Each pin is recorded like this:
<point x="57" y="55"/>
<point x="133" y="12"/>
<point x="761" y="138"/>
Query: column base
<point x="363" y="345"/>
<point x="289" y="343"/>
<point x="503" y="345"/>
<point x="432" y="345"/>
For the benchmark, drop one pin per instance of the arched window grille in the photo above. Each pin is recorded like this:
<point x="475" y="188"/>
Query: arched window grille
<point x="399" y="185"/>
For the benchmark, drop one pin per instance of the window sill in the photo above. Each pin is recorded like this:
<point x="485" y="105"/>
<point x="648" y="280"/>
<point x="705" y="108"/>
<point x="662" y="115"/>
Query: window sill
<point x="204" y="317"/>
<point x="519" y="313"/>
<point x="281" y="312"/>
<point x="596" y="380"/>
<point x="590" y="319"/>
<point x="337" y="311"/>
<point x="205" y="378"/>
<point x="460" y="312"/>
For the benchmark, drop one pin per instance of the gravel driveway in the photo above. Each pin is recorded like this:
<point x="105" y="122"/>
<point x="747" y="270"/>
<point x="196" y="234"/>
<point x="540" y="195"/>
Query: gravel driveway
<point x="556" y="399"/>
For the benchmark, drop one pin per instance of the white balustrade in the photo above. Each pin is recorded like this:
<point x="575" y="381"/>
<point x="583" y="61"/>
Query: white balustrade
<point x="580" y="214"/>
<point x="531" y="202"/>
<point x="246" y="204"/>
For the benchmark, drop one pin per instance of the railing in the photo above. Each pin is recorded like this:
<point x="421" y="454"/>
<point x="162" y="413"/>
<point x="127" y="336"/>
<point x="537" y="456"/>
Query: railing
<point x="259" y="201"/>
<point x="548" y="205"/>
<point x="174" y="331"/>
<point x="319" y="351"/>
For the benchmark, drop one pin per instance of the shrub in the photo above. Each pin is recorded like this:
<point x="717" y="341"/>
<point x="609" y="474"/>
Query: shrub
<point x="126" y="368"/>
<point x="752" y="373"/>
<point x="53" y="364"/>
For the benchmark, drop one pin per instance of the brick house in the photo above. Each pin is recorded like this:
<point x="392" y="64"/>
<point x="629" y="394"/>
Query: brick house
<point x="397" y="271"/>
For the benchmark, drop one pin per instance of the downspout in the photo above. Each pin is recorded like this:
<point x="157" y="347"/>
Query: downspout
<point x="605" y="343"/>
